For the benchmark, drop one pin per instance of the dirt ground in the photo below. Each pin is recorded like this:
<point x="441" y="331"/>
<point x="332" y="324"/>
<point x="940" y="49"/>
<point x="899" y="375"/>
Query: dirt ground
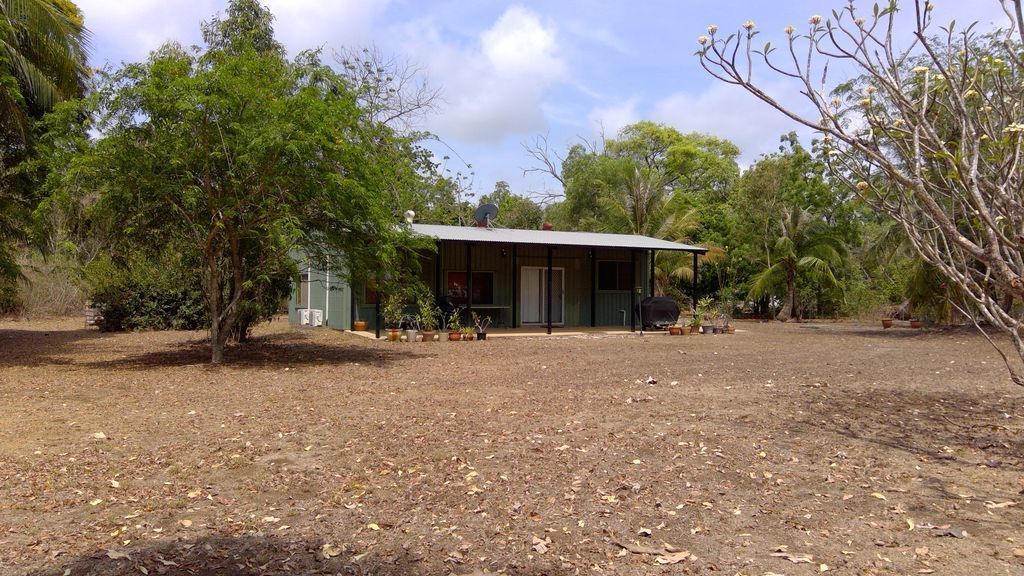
<point x="782" y="449"/>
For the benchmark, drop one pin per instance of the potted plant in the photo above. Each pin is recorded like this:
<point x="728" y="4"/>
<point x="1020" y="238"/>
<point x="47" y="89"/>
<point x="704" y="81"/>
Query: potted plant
<point x="695" y="322"/>
<point x="468" y="333"/>
<point x="675" y="330"/>
<point x="726" y="316"/>
<point x="412" y="327"/>
<point x="454" y="327"/>
<point x="392" y="310"/>
<point x="916" y="323"/>
<point x="706" y="309"/>
<point x="886" y="323"/>
<point x="481" y="323"/>
<point x="429" y="314"/>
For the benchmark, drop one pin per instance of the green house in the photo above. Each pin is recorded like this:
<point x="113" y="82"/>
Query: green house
<point x="543" y="278"/>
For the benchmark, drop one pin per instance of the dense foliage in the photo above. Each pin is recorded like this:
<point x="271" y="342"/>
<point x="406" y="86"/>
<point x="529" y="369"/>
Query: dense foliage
<point x="234" y="157"/>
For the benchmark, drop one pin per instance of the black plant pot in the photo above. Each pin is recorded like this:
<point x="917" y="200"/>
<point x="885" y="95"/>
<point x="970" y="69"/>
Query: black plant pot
<point x="481" y="335"/>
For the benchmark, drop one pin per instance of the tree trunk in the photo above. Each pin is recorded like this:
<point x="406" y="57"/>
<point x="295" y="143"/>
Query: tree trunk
<point x="216" y="343"/>
<point x="790" y="310"/>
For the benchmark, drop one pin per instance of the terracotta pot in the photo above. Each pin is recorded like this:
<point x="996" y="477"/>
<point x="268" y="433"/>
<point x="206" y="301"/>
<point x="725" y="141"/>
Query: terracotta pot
<point x="916" y="324"/>
<point x="428" y="335"/>
<point x="886" y="323"/>
<point x="359" y="326"/>
<point x="694" y="329"/>
<point x="730" y="330"/>
<point x="394" y="334"/>
<point x="468" y="337"/>
<point x="454" y="336"/>
<point x="675" y="330"/>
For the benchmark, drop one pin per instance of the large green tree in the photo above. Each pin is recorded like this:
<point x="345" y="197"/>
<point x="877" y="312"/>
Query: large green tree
<point x="239" y="157"/>
<point x="514" y="211"/>
<point x="652" y="180"/>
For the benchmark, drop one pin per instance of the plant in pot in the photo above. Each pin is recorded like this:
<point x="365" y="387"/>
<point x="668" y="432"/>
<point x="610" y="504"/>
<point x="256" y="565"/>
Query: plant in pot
<point x="454" y="327"/>
<point x="392" y="310"/>
<point x="468" y="333"/>
<point x="726" y="313"/>
<point x="887" y="322"/>
<point x="675" y="330"/>
<point x="412" y="327"/>
<point x="695" y="322"/>
<point x="429" y="314"/>
<point x="706" y="309"/>
<point x="481" y="324"/>
<point x="357" y="324"/>
<point x="916" y="323"/>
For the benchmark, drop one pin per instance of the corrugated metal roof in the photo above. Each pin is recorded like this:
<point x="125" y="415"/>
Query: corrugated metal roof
<point x="549" y="238"/>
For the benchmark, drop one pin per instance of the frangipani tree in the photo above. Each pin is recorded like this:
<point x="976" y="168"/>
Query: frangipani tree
<point x="929" y="133"/>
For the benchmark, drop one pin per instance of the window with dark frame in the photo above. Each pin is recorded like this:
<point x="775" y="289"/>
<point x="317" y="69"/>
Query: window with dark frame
<point x="614" y="276"/>
<point x="303" y="290"/>
<point x="456" y="287"/>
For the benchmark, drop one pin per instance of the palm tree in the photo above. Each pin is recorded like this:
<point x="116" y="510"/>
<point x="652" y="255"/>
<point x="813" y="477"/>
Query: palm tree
<point x="806" y="246"/>
<point x="42" y="61"/>
<point x="43" y="50"/>
<point x="641" y="202"/>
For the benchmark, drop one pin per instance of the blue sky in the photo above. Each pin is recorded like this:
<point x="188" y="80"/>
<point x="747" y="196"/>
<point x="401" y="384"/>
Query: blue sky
<point x="508" y="72"/>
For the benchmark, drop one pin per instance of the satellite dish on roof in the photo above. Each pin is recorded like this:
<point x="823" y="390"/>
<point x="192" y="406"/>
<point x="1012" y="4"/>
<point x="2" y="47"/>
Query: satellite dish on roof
<point x="485" y="214"/>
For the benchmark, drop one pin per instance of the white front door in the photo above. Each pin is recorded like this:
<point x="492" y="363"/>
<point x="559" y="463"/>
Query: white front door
<point x="533" y="295"/>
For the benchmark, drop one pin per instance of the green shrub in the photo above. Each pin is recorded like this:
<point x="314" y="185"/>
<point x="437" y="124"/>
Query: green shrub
<point x="146" y="296"/>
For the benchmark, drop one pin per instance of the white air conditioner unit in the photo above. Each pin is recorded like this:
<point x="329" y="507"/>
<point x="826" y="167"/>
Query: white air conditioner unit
<point x="316" y="317"/>
<point x="303" y="316"/>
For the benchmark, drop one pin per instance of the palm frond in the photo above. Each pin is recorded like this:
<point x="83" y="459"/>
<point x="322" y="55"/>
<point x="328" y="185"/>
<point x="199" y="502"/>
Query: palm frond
<point x="767" y="281"/>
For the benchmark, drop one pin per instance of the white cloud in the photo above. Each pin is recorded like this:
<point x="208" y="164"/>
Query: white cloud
<point x="598" y="34"/>
<point x="129" y="30"/>
<point x="608" y="120"/>
<point x="493" y="88"/>
<point x="302" y="24"/>
<point x="730" y="112"/>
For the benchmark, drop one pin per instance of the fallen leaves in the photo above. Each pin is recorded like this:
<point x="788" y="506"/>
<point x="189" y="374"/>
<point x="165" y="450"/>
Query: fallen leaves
<point x="667" y="554"/>
<point x="329" y="551"/>
<point x="541" y="546"/>
<point x="795" y="558"/>
<point x="118" y="555"/>
<point x="673" y="557"/>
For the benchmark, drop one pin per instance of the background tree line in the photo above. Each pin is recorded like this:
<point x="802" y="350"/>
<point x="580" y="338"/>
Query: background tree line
<point x="178" y="191"/>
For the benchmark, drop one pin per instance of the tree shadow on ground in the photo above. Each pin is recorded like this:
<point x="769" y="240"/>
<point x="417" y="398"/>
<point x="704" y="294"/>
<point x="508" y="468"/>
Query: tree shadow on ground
<point x="263" y="556"/>
<point x="962" y="429"/>
<point x="272" y="351"/>
<point x="42" y="347"/>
